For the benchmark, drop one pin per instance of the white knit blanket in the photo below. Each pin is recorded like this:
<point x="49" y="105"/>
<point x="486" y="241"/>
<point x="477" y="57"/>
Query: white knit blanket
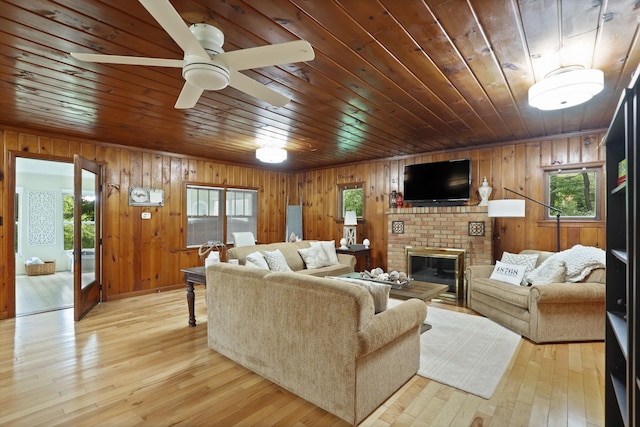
<point x="579" y="261"/>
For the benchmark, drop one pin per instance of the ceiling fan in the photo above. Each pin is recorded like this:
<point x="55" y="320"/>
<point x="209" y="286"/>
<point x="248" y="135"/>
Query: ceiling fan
<point x="206" y="66"/>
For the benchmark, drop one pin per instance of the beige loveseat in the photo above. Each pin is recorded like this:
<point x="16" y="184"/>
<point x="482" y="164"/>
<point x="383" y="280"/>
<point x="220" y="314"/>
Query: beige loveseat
<point x="346" y="262"/>
<point x="316" y="337"/>
<point x="552" y="312"/>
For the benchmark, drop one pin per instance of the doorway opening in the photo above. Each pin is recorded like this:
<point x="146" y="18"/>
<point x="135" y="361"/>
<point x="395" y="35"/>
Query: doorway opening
<point x="43" y="272"/>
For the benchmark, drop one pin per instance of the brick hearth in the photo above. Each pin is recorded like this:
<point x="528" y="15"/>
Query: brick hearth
<point x="438" y="227"/>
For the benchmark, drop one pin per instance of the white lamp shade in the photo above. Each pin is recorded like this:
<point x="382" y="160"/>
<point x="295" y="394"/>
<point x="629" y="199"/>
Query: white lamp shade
<point x="566" y="89"/>
<point x="271" y="154"/>
<point x="350" y="218"/>
<point x="506" y="208"/>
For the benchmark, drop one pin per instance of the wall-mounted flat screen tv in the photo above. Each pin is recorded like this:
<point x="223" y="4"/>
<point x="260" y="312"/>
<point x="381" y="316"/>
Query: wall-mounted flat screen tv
<point x="438" y="183"/>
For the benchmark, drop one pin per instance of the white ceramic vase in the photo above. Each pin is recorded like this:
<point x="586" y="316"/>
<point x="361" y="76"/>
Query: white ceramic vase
<point x="485" y="192"/>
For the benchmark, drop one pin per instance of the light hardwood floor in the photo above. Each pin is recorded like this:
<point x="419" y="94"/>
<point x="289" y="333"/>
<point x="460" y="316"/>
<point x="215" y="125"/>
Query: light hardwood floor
<point x="136" y="362"/>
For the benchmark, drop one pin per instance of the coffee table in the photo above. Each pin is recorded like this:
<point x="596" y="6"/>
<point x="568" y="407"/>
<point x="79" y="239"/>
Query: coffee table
<point x="421" y="290"/>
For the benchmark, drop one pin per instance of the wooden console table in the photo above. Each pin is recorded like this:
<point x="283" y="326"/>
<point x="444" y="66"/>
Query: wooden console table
<point x="361" y="255"/>
<point x="192" y="276"/>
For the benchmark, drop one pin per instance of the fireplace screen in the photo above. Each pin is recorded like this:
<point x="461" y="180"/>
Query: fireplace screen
<point x="438" y="265"/>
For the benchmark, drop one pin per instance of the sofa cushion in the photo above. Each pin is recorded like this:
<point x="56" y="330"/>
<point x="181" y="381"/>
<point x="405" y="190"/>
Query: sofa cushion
<point x="256" y="260"/>
<point x="528" y="260"/>
<point x="276" y="260"/>
<point x="290" y="252"/>
<point x="314" y="256"/>
<point x="508" y="273"/>
<point x="510" y="294"/>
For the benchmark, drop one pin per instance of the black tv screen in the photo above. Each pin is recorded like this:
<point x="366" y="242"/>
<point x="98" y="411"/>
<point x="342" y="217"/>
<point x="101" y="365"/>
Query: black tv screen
<point x="447" y="182"/>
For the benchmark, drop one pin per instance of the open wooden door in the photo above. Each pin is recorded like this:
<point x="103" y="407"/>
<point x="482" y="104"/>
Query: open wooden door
<point x="87" y="236"/>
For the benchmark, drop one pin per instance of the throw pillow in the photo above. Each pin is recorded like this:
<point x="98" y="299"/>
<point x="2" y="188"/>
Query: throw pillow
<point x="329" y="248"/>
<point x="276" y="260"/>
<point x="314" y="257"/>
<point x="528" y="260"/>
<point x="553" y="271"/>
<point x="509" y="273"/>
<point x="256" y="260"/>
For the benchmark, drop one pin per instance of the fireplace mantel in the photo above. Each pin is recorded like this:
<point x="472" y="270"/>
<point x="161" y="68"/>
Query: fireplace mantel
<point x="440" y="227"/>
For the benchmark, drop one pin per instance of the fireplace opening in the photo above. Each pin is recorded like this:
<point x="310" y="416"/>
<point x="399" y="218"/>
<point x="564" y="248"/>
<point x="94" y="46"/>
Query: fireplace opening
<point x="438" y="265"/>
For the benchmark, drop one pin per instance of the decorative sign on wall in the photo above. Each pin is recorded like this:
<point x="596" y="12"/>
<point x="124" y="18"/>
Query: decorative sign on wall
<point x="42" y="218"/>
<point x="140" y="196"/>
<point x="397" y="227"/>
<point x="476" y="228"/>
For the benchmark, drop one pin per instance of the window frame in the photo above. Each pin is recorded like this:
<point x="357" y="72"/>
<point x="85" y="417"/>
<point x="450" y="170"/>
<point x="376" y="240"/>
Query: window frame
<point x="222" y="209"/>
<point x="597" y="167"/>
<point x="341" y="190"/>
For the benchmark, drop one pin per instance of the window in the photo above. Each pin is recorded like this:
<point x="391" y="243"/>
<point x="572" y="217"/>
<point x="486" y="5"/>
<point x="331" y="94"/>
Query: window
<point x="208" y="213"/>
<point x="575" y="191"/>
<point x="88" y="224"/>
<point x="241" y="212"/>
<point x="351" y="199"/>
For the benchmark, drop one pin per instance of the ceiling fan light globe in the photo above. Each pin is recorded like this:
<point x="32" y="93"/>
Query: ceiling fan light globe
<point x="566" y="89"/>
<point x="206" y="75"/>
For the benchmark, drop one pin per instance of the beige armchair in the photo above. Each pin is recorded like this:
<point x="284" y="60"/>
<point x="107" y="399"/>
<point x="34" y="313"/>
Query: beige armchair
<point x="553" y="312"/>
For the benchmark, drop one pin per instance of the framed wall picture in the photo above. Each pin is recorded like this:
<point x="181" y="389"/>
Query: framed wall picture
<point x="142" y="196"/>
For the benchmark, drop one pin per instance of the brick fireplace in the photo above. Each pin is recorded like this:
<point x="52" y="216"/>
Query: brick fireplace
<point x="449" y="227"/>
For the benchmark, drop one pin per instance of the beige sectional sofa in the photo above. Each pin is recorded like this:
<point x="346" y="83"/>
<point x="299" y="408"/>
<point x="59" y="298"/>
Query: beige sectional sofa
<point x="552" y="312"/>
<point x="346" y="263"/>
<point x="316" y="337"/>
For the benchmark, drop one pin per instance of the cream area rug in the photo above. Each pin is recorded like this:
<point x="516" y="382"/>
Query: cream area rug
<point x="470" y="353"/>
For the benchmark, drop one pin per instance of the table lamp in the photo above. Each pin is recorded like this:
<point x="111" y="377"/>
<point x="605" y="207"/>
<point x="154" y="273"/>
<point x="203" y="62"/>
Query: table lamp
<point x="350" y="223"/>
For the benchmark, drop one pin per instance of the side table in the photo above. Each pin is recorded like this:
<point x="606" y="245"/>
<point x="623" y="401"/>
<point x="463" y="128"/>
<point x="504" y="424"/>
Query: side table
<point x="363" y="256"/>
<point x="193" y="275"/>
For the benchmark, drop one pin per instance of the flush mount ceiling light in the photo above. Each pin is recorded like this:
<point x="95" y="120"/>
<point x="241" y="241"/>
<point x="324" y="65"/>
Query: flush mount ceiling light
<point x="271" y="154"/>
<point x="565" y="88"/>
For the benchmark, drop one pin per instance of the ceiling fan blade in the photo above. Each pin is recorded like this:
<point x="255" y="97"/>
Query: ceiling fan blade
<point x="189" y="96"/>
<point x="128" y="60"/>
<point x="257" y="90"/>
<point x="265" y="56"/>
<point x="174" y="25"/>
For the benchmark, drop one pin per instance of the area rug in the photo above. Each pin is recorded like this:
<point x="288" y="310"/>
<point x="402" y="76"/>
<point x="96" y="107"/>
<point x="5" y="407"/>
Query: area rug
<point x="470" y="353"/>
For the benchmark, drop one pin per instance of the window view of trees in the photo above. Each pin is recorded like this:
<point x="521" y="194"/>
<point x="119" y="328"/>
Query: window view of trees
<point x="353" y="200"/>
<point x="573" y="192"/>
<point x="88" y="221"/>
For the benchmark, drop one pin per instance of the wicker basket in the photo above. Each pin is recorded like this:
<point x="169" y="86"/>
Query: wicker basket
<point x="49" y="267"/>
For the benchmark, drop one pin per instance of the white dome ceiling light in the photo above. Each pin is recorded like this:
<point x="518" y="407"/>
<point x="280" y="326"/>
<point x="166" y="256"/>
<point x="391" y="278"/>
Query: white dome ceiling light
<point x="271" y="154"/>
<point x="566" y="88"/>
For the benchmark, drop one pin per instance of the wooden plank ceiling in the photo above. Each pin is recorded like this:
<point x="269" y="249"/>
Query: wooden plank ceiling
<point x="390" y="78"/>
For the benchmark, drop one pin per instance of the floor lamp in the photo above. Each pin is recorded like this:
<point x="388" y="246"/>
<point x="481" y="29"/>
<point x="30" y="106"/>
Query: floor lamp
<point x="556" y="210"/>
<point x="506" y="208"/>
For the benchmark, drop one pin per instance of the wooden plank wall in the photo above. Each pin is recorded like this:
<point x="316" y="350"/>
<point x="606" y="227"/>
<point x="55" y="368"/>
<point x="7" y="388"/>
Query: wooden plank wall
<point x="517" y="166"/>
<point x="140" y="256"/>
<point x="146" y="256"/>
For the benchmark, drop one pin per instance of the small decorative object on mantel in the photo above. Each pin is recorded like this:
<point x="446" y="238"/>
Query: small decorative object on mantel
<point x="485" y="192"/>
<point x="393" y="199"/>
<point x="399" y="201"/>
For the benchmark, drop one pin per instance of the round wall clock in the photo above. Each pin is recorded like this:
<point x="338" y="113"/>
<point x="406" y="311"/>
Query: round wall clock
<point x="139" y="195"/>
